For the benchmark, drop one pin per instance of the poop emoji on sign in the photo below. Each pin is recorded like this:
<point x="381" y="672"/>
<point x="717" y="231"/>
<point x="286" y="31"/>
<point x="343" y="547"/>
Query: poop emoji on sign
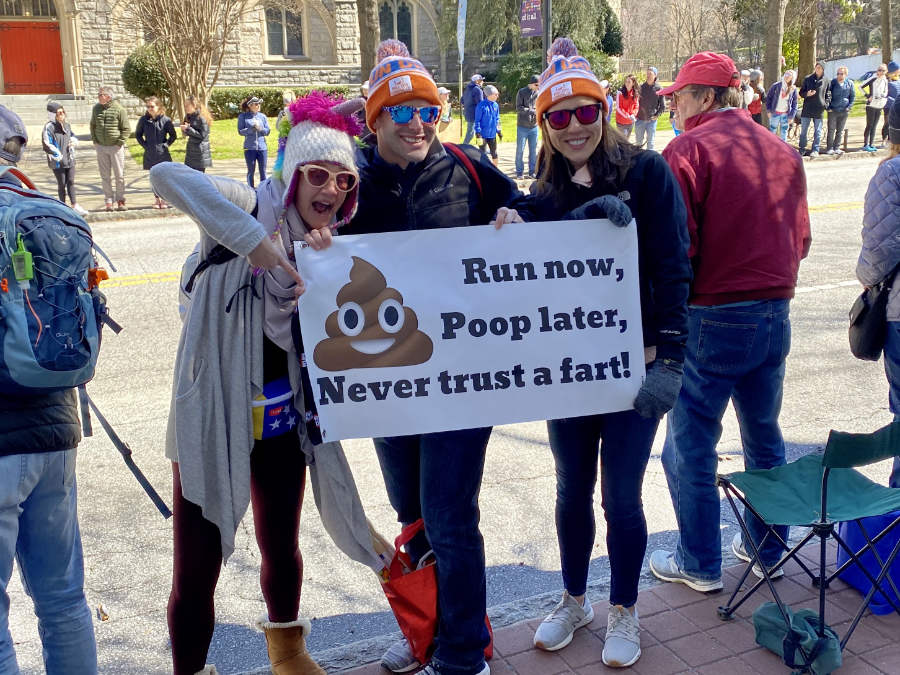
<point x="371" y="328"/>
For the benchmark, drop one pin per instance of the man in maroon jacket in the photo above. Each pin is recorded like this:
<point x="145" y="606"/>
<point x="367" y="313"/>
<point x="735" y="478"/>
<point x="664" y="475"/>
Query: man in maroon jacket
<point x="749" y="229"/>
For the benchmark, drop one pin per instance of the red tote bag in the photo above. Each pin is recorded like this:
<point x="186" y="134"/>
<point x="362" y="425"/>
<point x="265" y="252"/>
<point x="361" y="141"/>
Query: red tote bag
<point x="412" y="595"/>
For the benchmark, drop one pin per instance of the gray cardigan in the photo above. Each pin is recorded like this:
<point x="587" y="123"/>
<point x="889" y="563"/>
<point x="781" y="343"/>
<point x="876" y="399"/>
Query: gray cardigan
<point x="881" y="232"/>
<point x="218" y="370"/>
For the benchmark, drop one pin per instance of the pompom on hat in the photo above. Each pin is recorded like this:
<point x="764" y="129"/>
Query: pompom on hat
<point x="567" y="76"/>
<point x="317" y="128"/>
<point x="397" y="78"/>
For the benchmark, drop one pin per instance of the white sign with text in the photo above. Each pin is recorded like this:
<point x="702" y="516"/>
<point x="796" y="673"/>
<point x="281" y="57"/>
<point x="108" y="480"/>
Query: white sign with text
<point x="433" y="330"/>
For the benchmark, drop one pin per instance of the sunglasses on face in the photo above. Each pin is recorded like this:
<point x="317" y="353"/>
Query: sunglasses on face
<point x="403" y="114"/>
<point x="586" y="115"/>
<point x="318" y="176"/>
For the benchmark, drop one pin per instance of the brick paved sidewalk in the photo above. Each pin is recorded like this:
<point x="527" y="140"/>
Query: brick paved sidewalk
<point x="682" y="633"/>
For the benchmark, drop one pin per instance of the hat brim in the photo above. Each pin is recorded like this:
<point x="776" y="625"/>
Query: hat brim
<point x="671" y="89"/>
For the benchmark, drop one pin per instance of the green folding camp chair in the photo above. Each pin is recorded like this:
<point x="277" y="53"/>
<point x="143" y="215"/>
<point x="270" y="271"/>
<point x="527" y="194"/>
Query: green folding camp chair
<point x="818" y="491"/>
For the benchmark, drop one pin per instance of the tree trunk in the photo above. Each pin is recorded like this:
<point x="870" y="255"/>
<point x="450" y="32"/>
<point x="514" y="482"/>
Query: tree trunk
<point x="887" y="33"/>
<point x="774" y="36"/>
<point x="863" y="36"/>
<point x="807" y="51"/>
<point x="369" y="34"/>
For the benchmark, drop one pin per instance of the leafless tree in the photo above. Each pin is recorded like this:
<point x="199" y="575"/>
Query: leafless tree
<point x="774" y="37"/>
<point x="191" y="44"/>
<point x="689" y="24"/>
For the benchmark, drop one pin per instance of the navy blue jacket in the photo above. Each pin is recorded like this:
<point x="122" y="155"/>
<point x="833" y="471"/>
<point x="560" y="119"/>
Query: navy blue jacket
<point x="472" y="96"/>
<point x="654" y="197"/>
<point x="841" y="95"/>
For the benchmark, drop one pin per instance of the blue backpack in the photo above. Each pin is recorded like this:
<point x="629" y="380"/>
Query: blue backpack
<point x="51" y="310"/>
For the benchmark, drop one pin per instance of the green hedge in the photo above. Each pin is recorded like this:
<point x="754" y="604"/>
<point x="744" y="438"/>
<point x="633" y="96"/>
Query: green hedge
<point x="142" y="75"/>
<point x="516" y="69"/>
<point x="225" y="102"/>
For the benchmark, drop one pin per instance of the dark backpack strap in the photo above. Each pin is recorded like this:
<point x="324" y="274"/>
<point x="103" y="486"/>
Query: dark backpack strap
<point x="463" y="158"/>
<point x="218" y="255"/>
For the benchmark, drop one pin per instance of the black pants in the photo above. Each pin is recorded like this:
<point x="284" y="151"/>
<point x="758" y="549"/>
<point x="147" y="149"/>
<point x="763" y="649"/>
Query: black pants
<point x="872" y="117"/>
<point x="490" y="143"/>
<point x="65" y="180"/>
<point x="836" y="122"/>
<point x="757" y="117"/>
<point x="884" y="127"/>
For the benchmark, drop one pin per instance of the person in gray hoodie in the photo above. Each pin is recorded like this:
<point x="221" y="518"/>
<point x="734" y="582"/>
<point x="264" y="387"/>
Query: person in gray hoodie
<point x="880" y="257"/>
<point x="238" y="352"/>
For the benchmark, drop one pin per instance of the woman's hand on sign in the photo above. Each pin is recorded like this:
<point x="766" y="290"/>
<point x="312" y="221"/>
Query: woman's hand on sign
<point x="319" y="239"/>
<point x="269" y="256"/>
<point x="505" y="215"/>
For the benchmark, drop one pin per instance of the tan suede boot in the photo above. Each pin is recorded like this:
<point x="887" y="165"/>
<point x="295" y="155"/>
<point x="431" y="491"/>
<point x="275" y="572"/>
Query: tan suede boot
<point x="287" y="647"/>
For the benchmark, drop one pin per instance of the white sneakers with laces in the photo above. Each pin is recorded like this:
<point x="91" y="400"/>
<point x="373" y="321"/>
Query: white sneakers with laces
<point x="740" y="551"/>
<point x="556" y="631"/>
<point x="399" y="658"/>
<point x="623" y="637"/>
<point x="432" y="670"/>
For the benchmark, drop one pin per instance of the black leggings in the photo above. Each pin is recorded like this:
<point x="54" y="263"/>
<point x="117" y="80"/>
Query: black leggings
<point x="277" y="481"/>
<point x="65" y="180"/>
<point x="492" y="144"/>
<point x="872" y="117"/>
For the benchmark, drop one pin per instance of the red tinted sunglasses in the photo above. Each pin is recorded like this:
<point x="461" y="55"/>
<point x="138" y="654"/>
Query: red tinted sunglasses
<point x="586" y="114"/>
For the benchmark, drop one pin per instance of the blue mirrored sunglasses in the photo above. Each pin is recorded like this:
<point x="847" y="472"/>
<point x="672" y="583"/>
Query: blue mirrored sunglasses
<point x="403" y="114"/>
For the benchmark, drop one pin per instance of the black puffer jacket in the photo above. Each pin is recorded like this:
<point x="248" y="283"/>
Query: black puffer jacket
<point x="43" y="423"/>
<point x="197" y="155"/>
<point x="155" y="135"/>
<point x="437" y="192"/>
<point x="654" y="197"/>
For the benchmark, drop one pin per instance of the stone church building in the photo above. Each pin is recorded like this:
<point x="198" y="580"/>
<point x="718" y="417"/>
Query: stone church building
<point x="75" y="46"/>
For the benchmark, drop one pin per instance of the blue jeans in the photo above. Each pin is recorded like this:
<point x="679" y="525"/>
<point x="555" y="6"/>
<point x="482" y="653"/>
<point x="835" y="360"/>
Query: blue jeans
<point x="39" y="528"/>
<point x="892" y="369"/>
<point x="523" y="135"/>
<point x="733" y="352"/>
<point x="470" y="130"/>
<point x="779" y="120"/>
<point x="647" y="127"/>
<point x="817" y="132"/>
<point x="625" y="439"/>
<point x="438" y="477"/>
<point x="252" y="158"/>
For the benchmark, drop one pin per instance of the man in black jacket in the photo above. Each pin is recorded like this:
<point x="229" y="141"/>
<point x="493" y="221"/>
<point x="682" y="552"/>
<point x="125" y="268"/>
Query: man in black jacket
<point x="38" y="515"/>
<point x="526" y="127"/>
<point x="409" y="182"/>
<point x="812" y="93"/>
<point x="651" y="105"/>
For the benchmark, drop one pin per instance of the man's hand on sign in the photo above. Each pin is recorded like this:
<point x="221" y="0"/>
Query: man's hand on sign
<point x="505" y="215"/>
<point x="607" y="206"/>
<point x="319" y="239"/>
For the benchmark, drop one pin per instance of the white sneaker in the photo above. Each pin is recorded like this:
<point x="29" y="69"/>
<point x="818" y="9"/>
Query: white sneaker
<point x="80" y="210"/>
<point x="663" y="566"/>
<point x="740" y="551"/>
<point x="431" y="669"/>
<point x="839" y="152"/>
<point x="622" y="646"/>
<point x="556" y="631"/>
<point x="830" y="151"/>
<point x="399" y="658"/>
<point x="814" y="154"/>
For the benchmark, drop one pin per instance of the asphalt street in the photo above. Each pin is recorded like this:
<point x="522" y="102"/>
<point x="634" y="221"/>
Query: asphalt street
<point x="127" y="544"/>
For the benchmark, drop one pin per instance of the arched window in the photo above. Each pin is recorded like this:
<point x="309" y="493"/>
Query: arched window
<point x="24" y="8"/>
<point x="395" y="18"/>
<point x="284" y="32"/>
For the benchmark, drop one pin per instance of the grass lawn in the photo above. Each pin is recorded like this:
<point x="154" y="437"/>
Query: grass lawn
<point x="224" y="140"/>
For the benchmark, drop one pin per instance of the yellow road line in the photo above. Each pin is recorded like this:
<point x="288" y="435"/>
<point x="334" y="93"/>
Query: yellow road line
<point x="838" y="206"/>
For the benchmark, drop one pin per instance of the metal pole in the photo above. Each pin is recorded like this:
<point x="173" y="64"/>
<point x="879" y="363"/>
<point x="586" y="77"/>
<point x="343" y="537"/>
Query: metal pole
<point x="547" y="7"/>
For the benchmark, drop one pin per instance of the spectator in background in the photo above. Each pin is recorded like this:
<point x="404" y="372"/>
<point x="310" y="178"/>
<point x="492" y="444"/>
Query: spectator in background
<point x="155" y="133"/>
<point x="109" y="129"/>
<point x="893" y="82"/>
<point x="472" y="96"/>
<point x="781" y="104"/>
<point x="487" y="121"/>
<point x="746" y="89"/>
<point x="759" y="95"/>
<point x="526" y="127"/>
<point x="627" y="105"/>
<point x="876" y="100"/>
<point x="839" y="100"/>
<point x="745" y="271"/>
<point x="604" y="85"/>
<point x="59" y="143"/>
<point x="880" y="255"/>
<point x="650" y="107"/>
<point x="812" y="91"/>
<point x="446" y="109"/>
<point x="287" y="97"/>
<point x="254" y="127"/>
<point x="39" y="435"/>
<point x="195" y="126"/>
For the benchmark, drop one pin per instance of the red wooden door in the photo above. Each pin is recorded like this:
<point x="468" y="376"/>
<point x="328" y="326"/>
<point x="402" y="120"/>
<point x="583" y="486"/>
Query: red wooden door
<point x="32" y="58"/>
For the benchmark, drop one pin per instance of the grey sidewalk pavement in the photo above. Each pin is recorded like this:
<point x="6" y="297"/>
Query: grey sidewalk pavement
<point x="139" y="198"/>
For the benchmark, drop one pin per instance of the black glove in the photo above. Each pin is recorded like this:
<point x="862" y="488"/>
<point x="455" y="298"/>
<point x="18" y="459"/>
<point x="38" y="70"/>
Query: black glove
<point x="657" y="395"/>
<point x="606" y="206"/>
<point x="499" y="134"/>
<point x="477" y="137"/>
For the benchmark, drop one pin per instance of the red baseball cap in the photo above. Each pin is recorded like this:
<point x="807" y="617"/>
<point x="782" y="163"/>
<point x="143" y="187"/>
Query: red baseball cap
<point x="709" y="68"/>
